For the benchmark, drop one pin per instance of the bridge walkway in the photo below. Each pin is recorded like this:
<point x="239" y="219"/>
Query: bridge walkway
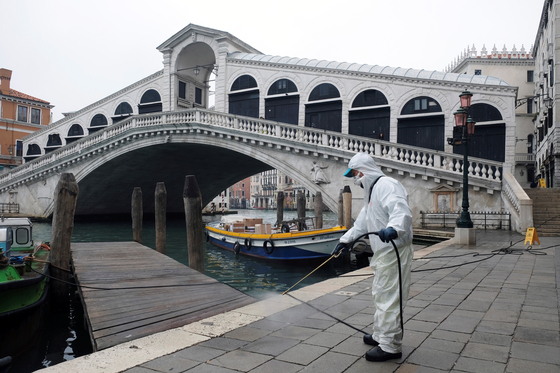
<point x="130" y="291"/>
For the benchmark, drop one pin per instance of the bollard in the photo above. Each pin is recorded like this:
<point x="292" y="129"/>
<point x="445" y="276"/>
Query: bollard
<point x="137" y="215"/>
<point x="160" y="216"/>
<point x="65" y="197"/>
<point x="193" y="215"/>
<point x="279" y="208"/>
<point x="347" y="203"/>
<point x="318" y="210"/>
<point x="300" y="210"/>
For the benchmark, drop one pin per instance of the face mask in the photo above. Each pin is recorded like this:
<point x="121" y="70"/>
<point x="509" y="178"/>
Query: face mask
<point x="358" y="181"/>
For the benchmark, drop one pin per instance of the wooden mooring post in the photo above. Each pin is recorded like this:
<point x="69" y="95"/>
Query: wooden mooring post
<point x="160" y="216"/>
<point x="192" y="200"/>
<point x="300" y="210"/>
<point x="65" y="197"/>
<point x="279" y="208"/>
<point x="347" y="203"/>
<point x="318" y="210"/>
<point x="137" y="214"/>
<point x="340" y="209"/>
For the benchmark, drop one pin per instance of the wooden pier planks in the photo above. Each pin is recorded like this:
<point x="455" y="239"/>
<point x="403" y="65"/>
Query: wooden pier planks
<point x="168" y="294"/>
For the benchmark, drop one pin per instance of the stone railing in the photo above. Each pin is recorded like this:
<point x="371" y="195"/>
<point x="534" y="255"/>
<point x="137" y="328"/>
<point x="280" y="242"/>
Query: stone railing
<point x="519" y="203"/>
<point x="416" y="160"/>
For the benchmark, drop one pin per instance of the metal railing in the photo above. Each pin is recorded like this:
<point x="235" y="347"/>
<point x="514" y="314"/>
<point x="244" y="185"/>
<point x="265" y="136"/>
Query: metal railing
<point x="480" y="219"/>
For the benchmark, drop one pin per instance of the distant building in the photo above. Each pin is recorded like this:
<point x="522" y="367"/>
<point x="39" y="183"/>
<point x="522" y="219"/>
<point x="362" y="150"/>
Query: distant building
<point x="547" y="118"/>
<point x="20" y="115"/>
<point x="240" y="194"/>
<point x="516" y="67"/>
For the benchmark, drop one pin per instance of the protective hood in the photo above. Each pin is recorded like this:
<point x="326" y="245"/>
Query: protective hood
<point x="364" y="163"/>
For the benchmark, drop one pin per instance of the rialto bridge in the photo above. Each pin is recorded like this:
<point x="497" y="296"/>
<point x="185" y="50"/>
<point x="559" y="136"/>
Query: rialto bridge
<point x="220" y="149"/>
<point x="221" y="110"/>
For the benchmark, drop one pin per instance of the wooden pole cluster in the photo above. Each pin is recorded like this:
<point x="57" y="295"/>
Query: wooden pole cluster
<point x="318" y="210"/>
<point x="192" y="200"/>
<point x="65" y="198"/>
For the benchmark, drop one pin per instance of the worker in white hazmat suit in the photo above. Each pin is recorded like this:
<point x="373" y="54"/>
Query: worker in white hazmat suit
<point x="385" y="211"/>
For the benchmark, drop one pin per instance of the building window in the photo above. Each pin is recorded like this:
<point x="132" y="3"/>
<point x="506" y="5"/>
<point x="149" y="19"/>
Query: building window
<point x="35" y="116"/>
<point x="198" y="95"/>
<point x="477" y="72"/>
<point x="530" y="76"/>
<point x="182" y="90"/>
<point x="22" y="113"/>
<point x="19" y="148"/>
<point x="530" y="106"/>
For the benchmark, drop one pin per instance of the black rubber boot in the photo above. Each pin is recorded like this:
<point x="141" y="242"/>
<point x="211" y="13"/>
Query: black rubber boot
<point x="377" y="354"/>
<point x="368" y="339"/>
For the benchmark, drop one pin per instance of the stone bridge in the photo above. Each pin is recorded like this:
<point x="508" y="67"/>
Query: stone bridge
<point x="221" y="149"/>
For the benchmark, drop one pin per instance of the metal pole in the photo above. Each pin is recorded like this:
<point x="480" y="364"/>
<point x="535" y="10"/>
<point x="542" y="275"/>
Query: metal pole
<point x="465" y="219"/>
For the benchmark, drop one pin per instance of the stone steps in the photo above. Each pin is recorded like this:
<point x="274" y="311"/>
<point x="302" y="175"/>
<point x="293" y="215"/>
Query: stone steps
<point x="546" y="211"/>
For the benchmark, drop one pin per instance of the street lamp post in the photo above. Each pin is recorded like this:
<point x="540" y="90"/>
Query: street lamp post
<point x="466" y="124"/>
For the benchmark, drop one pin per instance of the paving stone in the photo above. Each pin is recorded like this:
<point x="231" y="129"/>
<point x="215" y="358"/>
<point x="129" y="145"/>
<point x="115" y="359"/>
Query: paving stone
<point x="539" y="316"/>
<point x="413" y="338"/>
<point x="459" y="324"/>
<point x="475" y="305"/>
<point x="331" y="362"/>
<point x="432" y="358"/>
<point x="465" y="364"/>
<point x="443" y="345"/>
<point x="494" y="314"/>
<point x="363" y="366"/>
<point x="268" y="324"/>
<point x="327" y="301"/>
<point x="539" y="336"/>
<point x="434" y="313"/>
<point x="293" y="314"/>
<point x="226" y="344"/>
<point x="276" y="366"/>
<point x="359" y="320"/>
<point x="491" y="339"/>
<point x="538" y="324"/>
<point x="295" y="332"/>
<point x="420" y="326"/>
<point x="270" y="345"/>
<point x="247" y="333"/>
<point x="496" y="327"/>
<point x="170" y="363"/>
<point x="341" y="329"/>
<point x="320" y="324"/>
<point x="302" y="354"/>
<point x="486" y="352"/>
<point x="207" y="368"/>
<point x="240" y="360"/>
<point x="139" y="369"/>
<point x="199" y="353"/>
<point x="535" y="352"/>
<point x="451" y="336"/>
<point x="541" y="310"/>
<point x="524" y="366"/>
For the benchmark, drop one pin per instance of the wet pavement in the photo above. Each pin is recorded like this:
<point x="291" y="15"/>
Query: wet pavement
<point x="492" y="307"/>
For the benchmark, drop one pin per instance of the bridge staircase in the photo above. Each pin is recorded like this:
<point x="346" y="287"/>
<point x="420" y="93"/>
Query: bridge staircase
<point x="546" y="211"/>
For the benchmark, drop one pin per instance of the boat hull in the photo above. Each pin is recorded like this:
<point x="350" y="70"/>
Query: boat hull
<point x="314" y="244"/>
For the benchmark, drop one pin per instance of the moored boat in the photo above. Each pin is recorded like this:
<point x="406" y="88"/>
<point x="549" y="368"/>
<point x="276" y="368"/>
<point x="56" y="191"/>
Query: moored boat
<point x="253" y="238"/>
<point x="24" y="269"/>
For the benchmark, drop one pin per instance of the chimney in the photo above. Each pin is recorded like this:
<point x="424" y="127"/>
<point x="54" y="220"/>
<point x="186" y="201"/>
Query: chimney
<point x="5" y="76"/>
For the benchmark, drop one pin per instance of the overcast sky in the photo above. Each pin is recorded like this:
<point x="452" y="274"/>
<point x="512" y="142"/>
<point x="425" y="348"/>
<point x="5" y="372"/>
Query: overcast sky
<point x="75" y="52"/>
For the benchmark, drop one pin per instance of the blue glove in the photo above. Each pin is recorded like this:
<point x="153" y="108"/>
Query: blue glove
<point x="340" y="248"/>
<point x="387" y="234"/>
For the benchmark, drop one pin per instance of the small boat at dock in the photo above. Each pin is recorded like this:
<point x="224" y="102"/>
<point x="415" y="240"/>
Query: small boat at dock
<point x="251" y="237"/>
<point x="24" y="269"/>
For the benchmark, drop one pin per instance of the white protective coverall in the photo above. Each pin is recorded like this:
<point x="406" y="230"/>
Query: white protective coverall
<point x="387" y="207"/>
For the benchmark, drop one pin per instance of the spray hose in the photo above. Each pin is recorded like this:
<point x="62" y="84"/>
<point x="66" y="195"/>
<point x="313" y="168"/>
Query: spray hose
<point x="349" y="247"/>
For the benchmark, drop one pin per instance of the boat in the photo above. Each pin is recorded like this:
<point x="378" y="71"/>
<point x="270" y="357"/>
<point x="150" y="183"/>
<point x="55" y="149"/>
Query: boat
<point x="24" y="270"/>
<point x="246" y="236"/>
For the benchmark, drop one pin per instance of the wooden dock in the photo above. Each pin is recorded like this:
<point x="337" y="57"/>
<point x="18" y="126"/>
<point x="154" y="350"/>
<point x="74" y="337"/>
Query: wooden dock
<point x="151" y="292"/>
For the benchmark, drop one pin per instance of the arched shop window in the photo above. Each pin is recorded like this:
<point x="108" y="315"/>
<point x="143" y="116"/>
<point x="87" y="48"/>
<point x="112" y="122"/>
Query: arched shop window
<point x="489" y="139"/>
<point x="54" y="142"/>
<point x="244" y="97"/>
<point x="123" y="110"/>
<point x="323" y="110"/>
<point x="370" y="115"/>
<point x="74" y="133"/>
<point x="418" y="129"/>
<point x="150" y="102"/>
<point x="283" y="106"/>
<point x="97" y="122"/>
<point x="33" y="151"/>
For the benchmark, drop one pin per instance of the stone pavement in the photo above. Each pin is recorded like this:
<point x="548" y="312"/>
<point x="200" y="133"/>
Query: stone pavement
<point x="498" y="314"/>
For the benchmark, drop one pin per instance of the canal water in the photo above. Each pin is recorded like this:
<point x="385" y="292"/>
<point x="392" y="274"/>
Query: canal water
<point x="65" y="338"/>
